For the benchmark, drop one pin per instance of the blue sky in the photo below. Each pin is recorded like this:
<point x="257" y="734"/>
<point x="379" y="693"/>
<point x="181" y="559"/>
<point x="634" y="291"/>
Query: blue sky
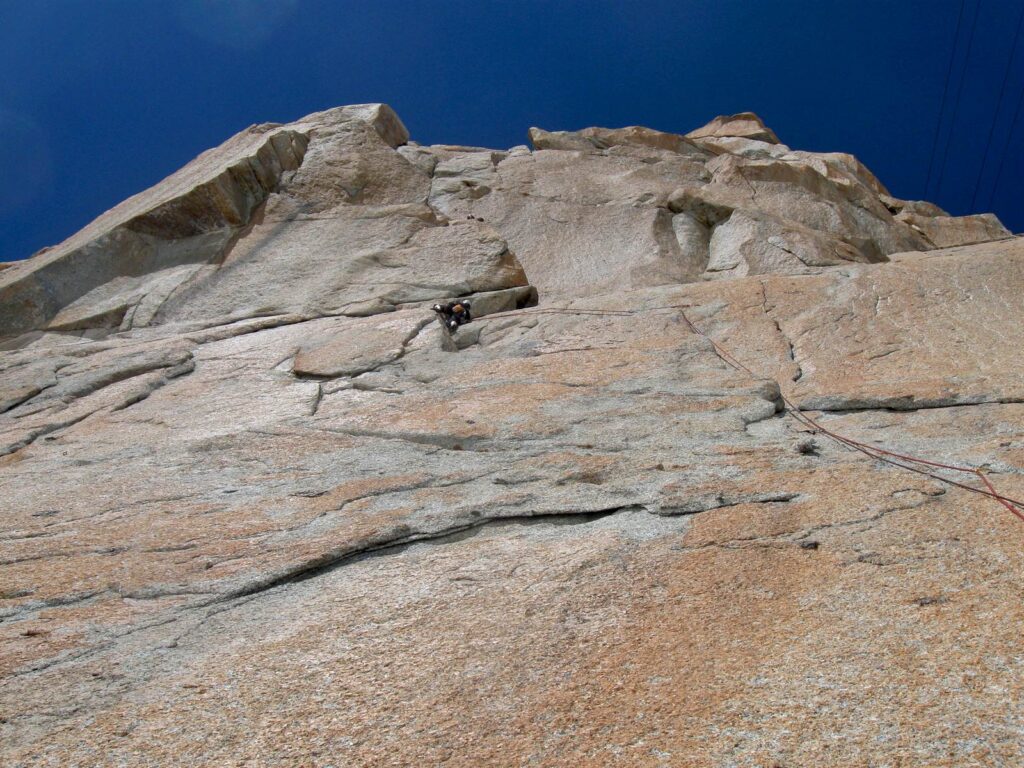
<point x="102" y="98"/>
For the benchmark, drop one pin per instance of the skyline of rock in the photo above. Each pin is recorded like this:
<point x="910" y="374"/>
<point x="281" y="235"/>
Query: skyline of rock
<point x="262" y="509"/>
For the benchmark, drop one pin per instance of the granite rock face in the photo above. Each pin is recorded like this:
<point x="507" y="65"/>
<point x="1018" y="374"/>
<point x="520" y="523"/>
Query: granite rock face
<point x="261" y="509"/>
<point x="745" y="125"/>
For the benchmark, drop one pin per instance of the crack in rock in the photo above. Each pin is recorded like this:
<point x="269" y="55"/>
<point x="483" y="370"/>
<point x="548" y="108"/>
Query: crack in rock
<point x="317" y="566"/>
<point x="708" y="502"/>
<point x="840" y="404"/>
<point x="789" y="344"/>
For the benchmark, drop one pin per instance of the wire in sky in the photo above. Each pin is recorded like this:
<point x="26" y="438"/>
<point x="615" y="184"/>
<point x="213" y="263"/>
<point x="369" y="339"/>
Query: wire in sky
<point x="1006" y="147"/>
<point x="956" y="102"/>
<point x="945" y="91"/>
<point x="999" y="106"/>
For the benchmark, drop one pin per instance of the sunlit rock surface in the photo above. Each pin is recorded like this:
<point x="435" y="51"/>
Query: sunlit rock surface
<point x="260" y="509"/>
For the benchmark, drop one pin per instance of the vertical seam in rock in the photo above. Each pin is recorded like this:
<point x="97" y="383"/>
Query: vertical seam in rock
<point x="789" y="344"/>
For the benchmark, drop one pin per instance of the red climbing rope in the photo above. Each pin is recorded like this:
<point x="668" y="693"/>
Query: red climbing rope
<point x="879" y="454"/>
<point x="900" y="460"/>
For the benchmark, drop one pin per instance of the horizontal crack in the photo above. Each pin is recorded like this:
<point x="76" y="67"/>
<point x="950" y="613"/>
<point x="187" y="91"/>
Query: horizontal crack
<point x="896" y="404"/>
<point x="699" y="505"/>
<point x="434" y="441"/>
<point x="172" y="373"/>
<point x="48" y="429"/>
<point x="173" y="370"/>
<point x="800" y="536"/>
<point x="343" y="556"/>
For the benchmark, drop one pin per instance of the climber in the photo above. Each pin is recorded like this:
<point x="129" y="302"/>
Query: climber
<point x="453" y="314"/>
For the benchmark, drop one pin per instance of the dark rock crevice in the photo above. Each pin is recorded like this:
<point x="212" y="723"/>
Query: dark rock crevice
<point x="709" y="502"/>
<point x="843" y="404"/>
<point x="802" y="537"/>
<point x="782" y="334"/>
<point x="330" y="560"/>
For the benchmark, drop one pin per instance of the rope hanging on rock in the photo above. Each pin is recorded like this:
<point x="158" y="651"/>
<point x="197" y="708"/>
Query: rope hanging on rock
<point x="900" y="460"/>
<point x="880" y="454"/>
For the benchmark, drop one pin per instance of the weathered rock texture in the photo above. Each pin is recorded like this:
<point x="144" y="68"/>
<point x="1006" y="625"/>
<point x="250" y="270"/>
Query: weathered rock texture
<point x="259" y="509"/>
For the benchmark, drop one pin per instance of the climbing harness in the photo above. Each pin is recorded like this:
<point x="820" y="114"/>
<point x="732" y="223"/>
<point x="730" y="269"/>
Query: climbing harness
<point x="900" y="460"/>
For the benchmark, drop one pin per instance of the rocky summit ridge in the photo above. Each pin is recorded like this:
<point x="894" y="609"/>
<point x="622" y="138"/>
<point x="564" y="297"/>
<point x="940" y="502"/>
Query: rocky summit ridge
<point x="260" y="509"/>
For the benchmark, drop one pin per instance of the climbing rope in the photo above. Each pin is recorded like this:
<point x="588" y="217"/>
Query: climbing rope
<point x="879" y="454"/>
<point x="901" y="460"/>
